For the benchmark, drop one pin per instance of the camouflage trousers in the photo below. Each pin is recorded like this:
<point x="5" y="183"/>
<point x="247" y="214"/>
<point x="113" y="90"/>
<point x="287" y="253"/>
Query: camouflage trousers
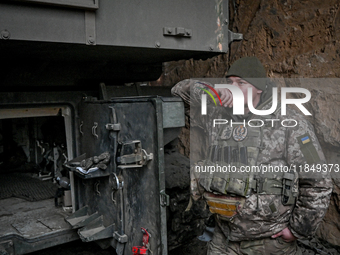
<point x="219" y="246"/>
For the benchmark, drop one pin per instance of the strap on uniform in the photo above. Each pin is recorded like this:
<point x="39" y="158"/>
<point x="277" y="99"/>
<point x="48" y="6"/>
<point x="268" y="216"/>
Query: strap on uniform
<point x="288" y="196"/>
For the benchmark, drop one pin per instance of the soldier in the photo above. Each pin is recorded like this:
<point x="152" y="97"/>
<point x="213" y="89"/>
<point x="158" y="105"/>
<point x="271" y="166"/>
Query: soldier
<point x="257" y="212"/>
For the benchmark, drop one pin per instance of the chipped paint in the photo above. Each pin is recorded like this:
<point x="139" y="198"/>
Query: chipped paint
<point x="219" y="22"/>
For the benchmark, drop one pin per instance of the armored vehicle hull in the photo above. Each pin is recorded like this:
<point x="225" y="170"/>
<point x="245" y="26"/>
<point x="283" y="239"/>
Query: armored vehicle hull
<point x="81" y="152"/>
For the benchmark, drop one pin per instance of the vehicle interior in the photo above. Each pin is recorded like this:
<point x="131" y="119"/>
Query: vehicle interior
<point x="34" y="185"/>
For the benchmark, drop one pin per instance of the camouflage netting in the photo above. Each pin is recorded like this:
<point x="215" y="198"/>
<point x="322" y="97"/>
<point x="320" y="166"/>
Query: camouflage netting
<point x="26" y="187"/>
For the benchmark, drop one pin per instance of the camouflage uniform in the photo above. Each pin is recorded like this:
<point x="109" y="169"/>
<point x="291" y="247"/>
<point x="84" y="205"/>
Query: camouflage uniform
<point x="262" y="215"/>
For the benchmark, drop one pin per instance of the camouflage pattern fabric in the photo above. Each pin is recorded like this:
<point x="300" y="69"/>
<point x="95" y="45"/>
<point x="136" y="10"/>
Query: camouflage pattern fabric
<point x="219" y="245"/>
<point x="264" y="215"/>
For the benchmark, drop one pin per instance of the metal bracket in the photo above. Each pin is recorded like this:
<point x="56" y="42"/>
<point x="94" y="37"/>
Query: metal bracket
<point x="234" y="36"/>
<point x="94" y="129"/>
<point x="177" y="31"/>
<point x="132" y="155"/>
<point x="114" y="126"/>
<point x="120" y="238"/>
<point x="81" y="128"/>
<point x="165" y="198"/>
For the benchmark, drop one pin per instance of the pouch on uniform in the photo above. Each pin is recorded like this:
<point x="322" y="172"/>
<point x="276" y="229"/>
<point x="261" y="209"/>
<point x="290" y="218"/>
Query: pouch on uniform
<point x="225" y="206"/>
<point x="237" y="186"/>
<point x="219" y="182"/>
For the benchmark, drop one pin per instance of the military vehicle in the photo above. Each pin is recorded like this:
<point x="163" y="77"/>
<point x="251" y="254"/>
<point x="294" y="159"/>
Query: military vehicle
<point x="81" y="140"/>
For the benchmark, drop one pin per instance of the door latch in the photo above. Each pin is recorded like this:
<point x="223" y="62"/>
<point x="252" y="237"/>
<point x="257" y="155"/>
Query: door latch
<point x="132" y="155"/>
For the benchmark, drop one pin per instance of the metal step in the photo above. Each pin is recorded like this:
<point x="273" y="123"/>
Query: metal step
<point x="95" y="230"/>
<point x="81" y="218"/>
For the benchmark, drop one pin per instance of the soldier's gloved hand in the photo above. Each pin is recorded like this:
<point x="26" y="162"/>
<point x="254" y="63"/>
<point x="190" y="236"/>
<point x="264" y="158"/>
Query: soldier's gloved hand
<point x="286" y="235"/>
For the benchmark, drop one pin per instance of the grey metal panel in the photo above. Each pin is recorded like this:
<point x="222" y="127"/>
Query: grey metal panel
<point x="47" y="24"/>
<point x="173" y="114"/>
<point x="82" y="4"/>
<point x="141" y="23"/>
<point x="122" y="41"/>
<point x="122" y="23"/>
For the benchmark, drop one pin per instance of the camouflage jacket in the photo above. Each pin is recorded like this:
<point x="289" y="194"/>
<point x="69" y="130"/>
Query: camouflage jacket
<point x="280" y="146"/>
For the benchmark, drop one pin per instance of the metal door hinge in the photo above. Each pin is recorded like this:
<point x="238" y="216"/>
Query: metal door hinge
<point x="120" y="238"/>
